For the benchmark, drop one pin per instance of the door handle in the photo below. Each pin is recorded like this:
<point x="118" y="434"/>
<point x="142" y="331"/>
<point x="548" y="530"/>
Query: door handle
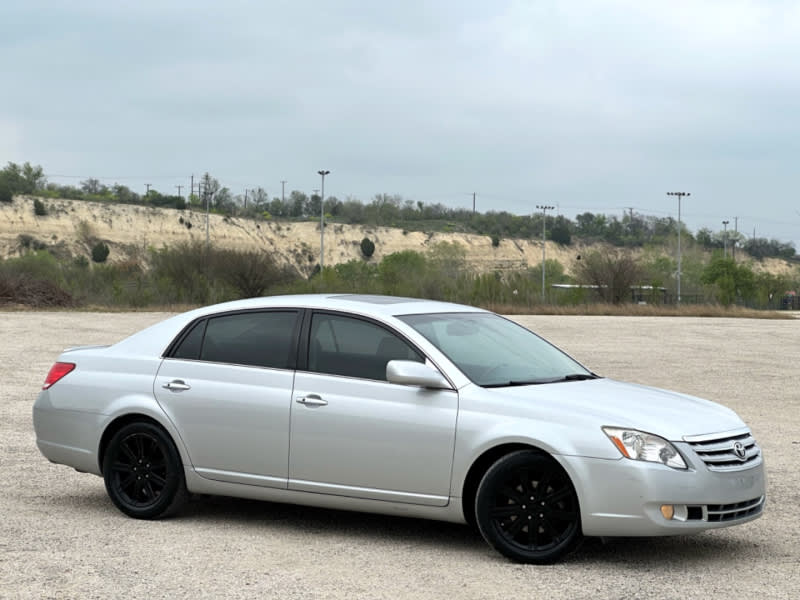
<point x="311" y="400"/>
<point x="176" y="385"/>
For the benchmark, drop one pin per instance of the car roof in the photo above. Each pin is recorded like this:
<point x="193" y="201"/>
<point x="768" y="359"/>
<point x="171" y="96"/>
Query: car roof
<point x="155" y="339"/>
<point x="358" y="303"/>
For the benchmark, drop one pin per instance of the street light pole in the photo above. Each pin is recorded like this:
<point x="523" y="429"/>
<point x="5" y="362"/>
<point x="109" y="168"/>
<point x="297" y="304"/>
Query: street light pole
<point x="725" y="239"/>
<point x="679" y="195"/>
<point x="322" y="221"/>
<point x="544" y="208"/>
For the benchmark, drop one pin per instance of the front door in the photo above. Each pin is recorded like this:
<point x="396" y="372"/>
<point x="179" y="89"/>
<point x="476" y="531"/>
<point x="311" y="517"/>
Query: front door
<point x="355" y="434"/>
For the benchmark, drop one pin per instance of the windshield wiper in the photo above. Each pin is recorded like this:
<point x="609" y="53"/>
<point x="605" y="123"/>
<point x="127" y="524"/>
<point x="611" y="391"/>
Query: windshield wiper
<point x="518" y="383"/>
<point x="570" y="377"/>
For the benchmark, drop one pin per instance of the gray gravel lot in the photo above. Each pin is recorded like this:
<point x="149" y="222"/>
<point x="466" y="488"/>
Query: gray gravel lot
<point x="61" y="538"/>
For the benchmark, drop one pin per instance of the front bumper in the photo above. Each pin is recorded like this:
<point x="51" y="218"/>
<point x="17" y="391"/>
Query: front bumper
<point x="624" y="497"/>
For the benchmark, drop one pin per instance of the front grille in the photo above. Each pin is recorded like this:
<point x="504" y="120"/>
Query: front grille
<point x="717" y="513"/>
<point x="719" y="453"/>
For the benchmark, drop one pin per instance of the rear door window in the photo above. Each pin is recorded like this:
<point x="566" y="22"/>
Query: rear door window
<point x="261" y="339"/>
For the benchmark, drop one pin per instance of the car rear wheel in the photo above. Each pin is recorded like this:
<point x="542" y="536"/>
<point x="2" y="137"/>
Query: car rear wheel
<point x="527" y="508"/>
<point x="143" y="472"/>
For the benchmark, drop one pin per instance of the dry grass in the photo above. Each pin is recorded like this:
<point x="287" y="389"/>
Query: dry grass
<point x="598" y="309"/>
<point x="91" y="308"/>
<point x="645" y="310"/>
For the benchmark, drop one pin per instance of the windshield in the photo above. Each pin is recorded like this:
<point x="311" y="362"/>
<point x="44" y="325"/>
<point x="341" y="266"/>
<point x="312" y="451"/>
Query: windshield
<point x="493" y="351"/>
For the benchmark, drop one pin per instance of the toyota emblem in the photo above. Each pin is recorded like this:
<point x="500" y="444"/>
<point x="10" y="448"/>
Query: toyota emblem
<point x="740" y="451"/>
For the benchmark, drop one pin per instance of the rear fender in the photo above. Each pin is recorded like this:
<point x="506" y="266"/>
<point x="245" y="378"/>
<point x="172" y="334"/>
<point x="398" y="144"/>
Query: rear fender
<point x="127" y="408"/>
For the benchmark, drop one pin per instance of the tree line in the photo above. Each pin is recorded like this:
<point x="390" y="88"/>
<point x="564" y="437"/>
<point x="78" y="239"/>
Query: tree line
<point x="631" y="230"/>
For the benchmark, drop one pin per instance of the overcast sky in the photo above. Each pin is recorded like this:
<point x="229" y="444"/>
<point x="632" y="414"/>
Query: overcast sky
<point x="587" y="105"/>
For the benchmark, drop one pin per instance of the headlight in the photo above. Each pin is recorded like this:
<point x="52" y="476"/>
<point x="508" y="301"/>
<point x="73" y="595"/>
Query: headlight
<point x="638" y="445"/>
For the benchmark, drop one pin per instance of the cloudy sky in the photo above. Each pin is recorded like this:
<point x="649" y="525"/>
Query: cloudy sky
<point x="590" y="105"/>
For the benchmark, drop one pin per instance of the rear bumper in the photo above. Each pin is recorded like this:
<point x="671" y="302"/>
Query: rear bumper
<point x="624" y="497"/>
<point x="67" y="437"/>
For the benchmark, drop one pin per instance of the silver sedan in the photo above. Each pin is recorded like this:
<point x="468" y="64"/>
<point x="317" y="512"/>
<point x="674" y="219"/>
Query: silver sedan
<point x="396" y="406"/>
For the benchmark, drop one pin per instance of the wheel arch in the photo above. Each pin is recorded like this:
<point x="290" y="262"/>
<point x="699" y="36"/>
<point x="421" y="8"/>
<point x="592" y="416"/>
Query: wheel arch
<point x="478" y="469"/>
<point x="121" y="421"/>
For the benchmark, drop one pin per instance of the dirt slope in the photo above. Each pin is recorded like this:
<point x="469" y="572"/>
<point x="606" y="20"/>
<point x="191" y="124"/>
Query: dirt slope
<point x="129" y="230"/>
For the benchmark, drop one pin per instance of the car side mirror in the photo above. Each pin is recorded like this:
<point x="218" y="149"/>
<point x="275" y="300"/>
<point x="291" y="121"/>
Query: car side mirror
<point x="410" y="372"/>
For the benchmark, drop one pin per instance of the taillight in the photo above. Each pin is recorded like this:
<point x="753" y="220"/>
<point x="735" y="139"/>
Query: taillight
<point x="57" y="371"/>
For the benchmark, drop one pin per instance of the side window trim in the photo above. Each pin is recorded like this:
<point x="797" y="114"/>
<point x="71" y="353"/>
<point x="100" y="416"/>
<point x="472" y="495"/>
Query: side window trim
<point x="301" y="357"/>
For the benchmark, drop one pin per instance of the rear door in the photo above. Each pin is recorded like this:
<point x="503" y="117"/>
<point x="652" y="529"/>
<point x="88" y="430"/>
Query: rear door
<point x="227" y="387"/>
<point x="355" y="434"/>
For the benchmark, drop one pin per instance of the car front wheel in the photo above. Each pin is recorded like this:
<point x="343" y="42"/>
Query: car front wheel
<point x="143" y="472"/>
<point x="527" y="508"/>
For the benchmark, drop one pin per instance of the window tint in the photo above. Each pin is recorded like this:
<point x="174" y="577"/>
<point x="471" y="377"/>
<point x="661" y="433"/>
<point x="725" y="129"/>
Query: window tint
<point x="189" y="346"/>
<point x="262" y="339"/>
<point x="354" y="348"/>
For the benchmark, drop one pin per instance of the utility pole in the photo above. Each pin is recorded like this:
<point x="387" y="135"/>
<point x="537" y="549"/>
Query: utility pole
<point x="322" y="174"/>
<point x="179" y="190"/>
<point x="544" y="208"/>
<point x="191" y="188"/>
<point x="208" y="213"/>
<point x="725" y="239"/>
<point x="680" y="195"/>
<point x="147" y="189"/>
<point x="736" y="236"/>
<point x="283" y="191"/>
<point x="245" y="197"/>
<point x="473" y="203"/>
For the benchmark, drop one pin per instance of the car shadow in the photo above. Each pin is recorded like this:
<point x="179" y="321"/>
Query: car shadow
<point x="626" y="553"/>
<point x="647" y="552"/>
<point x="630" y="552"/>
<point x="323" y="521"/>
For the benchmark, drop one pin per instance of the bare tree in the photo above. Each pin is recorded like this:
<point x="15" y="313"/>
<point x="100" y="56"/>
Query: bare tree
<point x="208" y="190"/>
<point x="612" y="271"/>
<point x="92" y="186"/>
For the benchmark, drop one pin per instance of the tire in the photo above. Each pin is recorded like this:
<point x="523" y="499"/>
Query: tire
<point x="143" y="472"/>
<point x="527" y="508"/>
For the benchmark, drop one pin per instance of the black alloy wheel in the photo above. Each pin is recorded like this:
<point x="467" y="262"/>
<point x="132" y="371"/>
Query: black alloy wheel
<point x="527" y="508"/>
<point x="143" y="472"/>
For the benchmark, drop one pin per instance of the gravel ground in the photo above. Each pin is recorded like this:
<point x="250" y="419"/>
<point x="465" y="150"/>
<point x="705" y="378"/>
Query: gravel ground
<point x="60" y="537"/>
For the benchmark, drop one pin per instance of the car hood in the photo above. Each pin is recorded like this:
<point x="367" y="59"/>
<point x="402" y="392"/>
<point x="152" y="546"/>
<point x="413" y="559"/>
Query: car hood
<point x="607" y="402"/>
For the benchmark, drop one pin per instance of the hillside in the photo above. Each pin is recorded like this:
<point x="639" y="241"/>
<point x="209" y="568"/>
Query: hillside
<point x="74" y="226"/>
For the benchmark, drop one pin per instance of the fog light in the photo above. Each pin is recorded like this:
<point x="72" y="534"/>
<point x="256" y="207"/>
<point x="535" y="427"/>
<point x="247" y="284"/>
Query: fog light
<point x="667" y="511"/>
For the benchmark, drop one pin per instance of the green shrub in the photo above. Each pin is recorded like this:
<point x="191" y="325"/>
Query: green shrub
<point x="560" y="234"/>
<point x="192" y="273"/>
<point x="5" y="192"/>
<point x="30" y="243"/>
<point x="367" y="247"/>
<point x="249" y="273"/>
<point x="39" y="209"/>
<point x="495" y="240"/>
<point x="100" y="252"/>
